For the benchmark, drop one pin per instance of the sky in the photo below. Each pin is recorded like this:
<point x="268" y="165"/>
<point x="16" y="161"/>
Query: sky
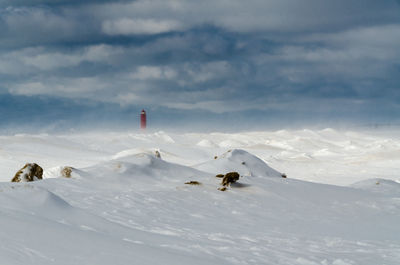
<point x="193" y="64"/>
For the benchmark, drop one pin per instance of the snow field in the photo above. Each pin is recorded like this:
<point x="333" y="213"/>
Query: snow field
<point x="123" y="205"/>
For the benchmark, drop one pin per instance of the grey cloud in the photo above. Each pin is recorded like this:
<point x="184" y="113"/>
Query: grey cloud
<point x="33" y="24"/>
<point x="204" y="55"/>
<point x="258" y="15"/>
<point x="6" y="3"/>
<point x="127" y="26"/>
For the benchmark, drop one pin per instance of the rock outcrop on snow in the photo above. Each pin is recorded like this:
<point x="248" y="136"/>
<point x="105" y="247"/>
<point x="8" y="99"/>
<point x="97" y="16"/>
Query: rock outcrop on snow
<point x="66" y="172"/>
<point x="229" y="178"/>
<point x="63" y="172"/>
<point x="30" y="172"/>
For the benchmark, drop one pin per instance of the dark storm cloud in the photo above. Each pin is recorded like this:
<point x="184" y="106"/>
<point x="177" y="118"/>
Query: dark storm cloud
<point x="6" y="3"/>
<point x="271" y="56"/>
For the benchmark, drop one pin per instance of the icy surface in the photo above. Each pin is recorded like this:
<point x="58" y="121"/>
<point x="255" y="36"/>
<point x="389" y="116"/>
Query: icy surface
<point x="123" y="205"/>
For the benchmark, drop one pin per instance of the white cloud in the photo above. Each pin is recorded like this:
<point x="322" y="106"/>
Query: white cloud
<point x="141" y="16"/>
<point x="25" y="60"/>
<point x="29" y="89"/>
<point x="128" y="26"/>
<point x="208" y="71"/>
<point x="84" y="87"/>
<point x="153" y="72"/>
<point x="215" y="106"/>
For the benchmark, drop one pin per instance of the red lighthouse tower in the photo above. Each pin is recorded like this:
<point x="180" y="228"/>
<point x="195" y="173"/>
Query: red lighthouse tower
<point x="143" y="119"/>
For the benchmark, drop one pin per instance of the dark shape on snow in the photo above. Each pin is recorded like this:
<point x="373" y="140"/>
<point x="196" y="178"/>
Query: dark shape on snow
<point x="219" y="176"/>
<point x="229" y="178"/>
<point x="30" y="172"/>
<point x="66" y="172"/>
<point x="193" y="183"/>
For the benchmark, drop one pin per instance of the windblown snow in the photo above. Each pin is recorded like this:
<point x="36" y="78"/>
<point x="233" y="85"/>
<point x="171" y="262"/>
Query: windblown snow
<point x="123" y="204"/>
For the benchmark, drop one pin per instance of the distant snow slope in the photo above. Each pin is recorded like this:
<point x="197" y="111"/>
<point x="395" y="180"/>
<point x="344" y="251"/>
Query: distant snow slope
<point x="123" y="205"/>
<point x="241" y="161"/>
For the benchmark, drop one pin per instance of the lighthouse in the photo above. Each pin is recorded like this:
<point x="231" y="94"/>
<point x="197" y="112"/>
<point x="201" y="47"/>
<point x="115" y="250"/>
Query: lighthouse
<point x="143" y="119"/>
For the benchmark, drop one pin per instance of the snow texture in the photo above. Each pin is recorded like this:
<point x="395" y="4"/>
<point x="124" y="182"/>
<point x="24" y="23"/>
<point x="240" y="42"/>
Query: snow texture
<point x="123" y="205"/>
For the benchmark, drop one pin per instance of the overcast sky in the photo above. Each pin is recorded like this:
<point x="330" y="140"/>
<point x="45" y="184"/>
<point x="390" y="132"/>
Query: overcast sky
<point x="233" y="63"/>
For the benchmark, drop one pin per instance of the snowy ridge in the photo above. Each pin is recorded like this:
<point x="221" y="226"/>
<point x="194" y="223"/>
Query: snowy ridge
<point x="241" y="161"/>
<point x="144" y="166"/>
<point x="123" y="205"/>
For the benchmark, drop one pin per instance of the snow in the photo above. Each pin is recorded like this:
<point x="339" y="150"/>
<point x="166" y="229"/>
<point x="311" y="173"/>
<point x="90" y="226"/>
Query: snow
<point x="123" y="205"/>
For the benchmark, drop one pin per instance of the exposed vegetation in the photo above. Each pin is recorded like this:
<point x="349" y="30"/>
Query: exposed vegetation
<point x="193" y="183"/>
<point x="30" y="172"/>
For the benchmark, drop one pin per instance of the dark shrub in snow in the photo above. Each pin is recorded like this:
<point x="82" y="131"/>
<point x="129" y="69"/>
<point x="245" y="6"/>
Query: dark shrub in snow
<point x="193" y="183"/>
<point x="229" y="178"/>
<point x="66" y="172"/>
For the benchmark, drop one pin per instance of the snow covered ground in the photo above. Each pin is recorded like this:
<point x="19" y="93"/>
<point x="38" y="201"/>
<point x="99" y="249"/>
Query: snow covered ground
<point x="339" y="205"/>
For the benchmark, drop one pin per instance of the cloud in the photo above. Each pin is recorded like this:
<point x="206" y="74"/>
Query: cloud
<point x="127" y="26"/>
<point x="184" y="55"/>
<point x="258" y="15"/>
<point x="31" y="60"/>
<point x="153" y="72"/>
<point x="72" y="88"/>
<point x="7" y="3"/>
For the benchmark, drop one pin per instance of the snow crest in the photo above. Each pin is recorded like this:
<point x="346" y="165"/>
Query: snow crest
<point x="240" y="161"/>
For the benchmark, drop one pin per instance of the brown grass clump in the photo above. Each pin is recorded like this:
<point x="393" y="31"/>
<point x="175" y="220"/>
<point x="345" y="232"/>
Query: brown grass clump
<point x="193" y="183"/>
<point x="219" y="176"/>
<point x="66" y="172"/>
<point x="229" y="178"/>
<point x="30" y="172"/>
<point x="222" y="189"/>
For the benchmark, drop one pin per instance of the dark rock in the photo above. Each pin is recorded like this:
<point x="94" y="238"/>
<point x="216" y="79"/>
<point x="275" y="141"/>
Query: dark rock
<point x="30" y="172"/>
<point x="66" y="172"/>
<point x="229" y="178"/>
<point x="193" y="183"/>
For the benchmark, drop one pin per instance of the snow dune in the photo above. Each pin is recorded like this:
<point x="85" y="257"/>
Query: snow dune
<point x="124" y="205"/>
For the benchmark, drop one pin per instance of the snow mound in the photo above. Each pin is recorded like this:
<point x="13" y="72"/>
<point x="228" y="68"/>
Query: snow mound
<point x="206" y="143"/>
<point x="134" y="152"/>
<point x="383" y="186"/>
<point x="240" y="161"/>
<point x="32" y="197"/>
<point x="161" y="135"/>
<point x="62" y="171"/>
<point x="143" y="166"/>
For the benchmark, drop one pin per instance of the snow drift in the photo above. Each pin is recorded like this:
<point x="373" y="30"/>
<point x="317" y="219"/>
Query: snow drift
<point x="240" y="161"/>
<point x="123" y="205"/>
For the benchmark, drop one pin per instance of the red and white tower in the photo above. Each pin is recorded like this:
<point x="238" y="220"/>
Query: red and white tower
<point x="143" y="119"/>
